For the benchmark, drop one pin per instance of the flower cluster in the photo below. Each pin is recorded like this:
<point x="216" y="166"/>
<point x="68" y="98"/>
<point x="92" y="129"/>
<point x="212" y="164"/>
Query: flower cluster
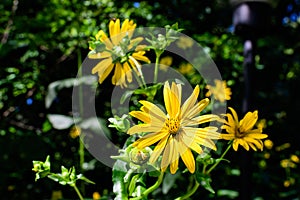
<point x="175" y="129"/>
<point x="120" y="52"/>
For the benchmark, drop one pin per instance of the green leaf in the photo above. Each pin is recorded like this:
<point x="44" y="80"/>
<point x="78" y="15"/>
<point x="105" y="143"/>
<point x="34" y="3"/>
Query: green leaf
<point x="83" y="178"/>
<point x="126" y="95"/>
<point x="150" y="91"/>
<point x="169" y="181"/>
<point x="132" y="184"/>
<point x="59" y="178"/>
<point x="204" y="180"/>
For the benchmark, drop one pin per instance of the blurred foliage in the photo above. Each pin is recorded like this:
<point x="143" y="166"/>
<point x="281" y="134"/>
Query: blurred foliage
<point x="42" y="41"/>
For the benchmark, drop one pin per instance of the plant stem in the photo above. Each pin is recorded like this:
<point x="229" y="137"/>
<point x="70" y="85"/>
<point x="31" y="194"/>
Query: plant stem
<point x="158" y="54"/>
<point x="190" y="192"/>
<point x="81" y="112"/>
<point x="219" y="160"/>
<point x="78" y="192"/>
<point x="151" y="189"/>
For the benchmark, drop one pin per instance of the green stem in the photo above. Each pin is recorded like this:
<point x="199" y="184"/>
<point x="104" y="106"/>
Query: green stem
<point x="158" y="54"/>
<point x="150" y="189"/>
<point x="220" y="159"/>
<point x="190" y="192"/>
<point x="78" y="192"/>
<point x="81" y="112"/>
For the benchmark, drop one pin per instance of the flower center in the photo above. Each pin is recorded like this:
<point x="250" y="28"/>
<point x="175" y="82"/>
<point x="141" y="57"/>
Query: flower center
<point x="172" y="125"/>
<point x="240" y="134"/>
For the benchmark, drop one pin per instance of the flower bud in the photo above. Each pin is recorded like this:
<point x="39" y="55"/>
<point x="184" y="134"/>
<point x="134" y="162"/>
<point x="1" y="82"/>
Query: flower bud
<point x="140" y="156"/>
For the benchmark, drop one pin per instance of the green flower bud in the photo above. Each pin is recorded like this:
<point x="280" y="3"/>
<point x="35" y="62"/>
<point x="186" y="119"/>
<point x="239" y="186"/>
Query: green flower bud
<point x="140" y="156"/>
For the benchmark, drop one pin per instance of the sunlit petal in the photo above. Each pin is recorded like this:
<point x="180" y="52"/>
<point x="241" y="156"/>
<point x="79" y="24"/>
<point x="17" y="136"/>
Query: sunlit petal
<point x="102" y="65"/>
<point x="150" y="139"/>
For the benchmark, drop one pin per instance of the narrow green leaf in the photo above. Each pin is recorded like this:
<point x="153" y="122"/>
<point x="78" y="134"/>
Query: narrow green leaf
<point x="83" y="178"/>
<point x="126" y="95"/>
<point x="132" y="184"/>
<point x="204" y="180"/>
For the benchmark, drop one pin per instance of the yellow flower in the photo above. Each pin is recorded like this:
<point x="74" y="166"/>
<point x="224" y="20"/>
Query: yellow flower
<point x="261" y="124"/>
<point x="268" y="144"/>
<point x="295" y="158"/>
<point x="186" y="68"/>
<point x="165" y="62"/>
<point x="242" y="132"/>
<point x="119" y="52"/>
<point x="220" y="91"/>
<point x="176" y="131"/>
<point x="184" y="42"/>
<point x="287" y="163"/>
<point x="96" y="196"/>
<point x="75" y="132"/>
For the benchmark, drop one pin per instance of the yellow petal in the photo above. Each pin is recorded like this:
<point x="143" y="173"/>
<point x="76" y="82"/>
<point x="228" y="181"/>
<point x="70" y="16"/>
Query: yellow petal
<point x="227" y="136"/>
<point x="235" y="116"/>
<point x="257" y="135"/>
<point x="201" y="132"/>
<point x="196" y="109"/>
<point x="177" y="90"/>
<point x="135" y="42"/>
<point x="150" y="139"/>
<point x="125" y="25"/>
<point x="171" y="101"/>
<point x="102" y="65"/>
<point x="114" y="30"/>
<point x="166" y="158"/>
<point x="257" y="143"/>
<point x="190" y="102"/>
<point x="188" y="159"/>
<point x="248" y="121"/>
<point x="117" y="74"/>
<point x="243" y="143"/>
<point x="103" y="38"/>
<point x="127" y="71"/>
<point x="101" y="55"/>
<point x="231" y="121"/>
<point x="200" y="120"/>
<point x="140" y="128"/>
<point x="103" y="76"/>
<point x="252" y="146"/>
<point x="144" y="117"/>
<point x="174" y="154"/>
<point x="190" y="142"/>
<point x="235" y="145"/>
<point x="158" y="149"/>
<point x="140" y="57"/>
<point x="154" y="111"/>
<point x="229" y="129"/>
